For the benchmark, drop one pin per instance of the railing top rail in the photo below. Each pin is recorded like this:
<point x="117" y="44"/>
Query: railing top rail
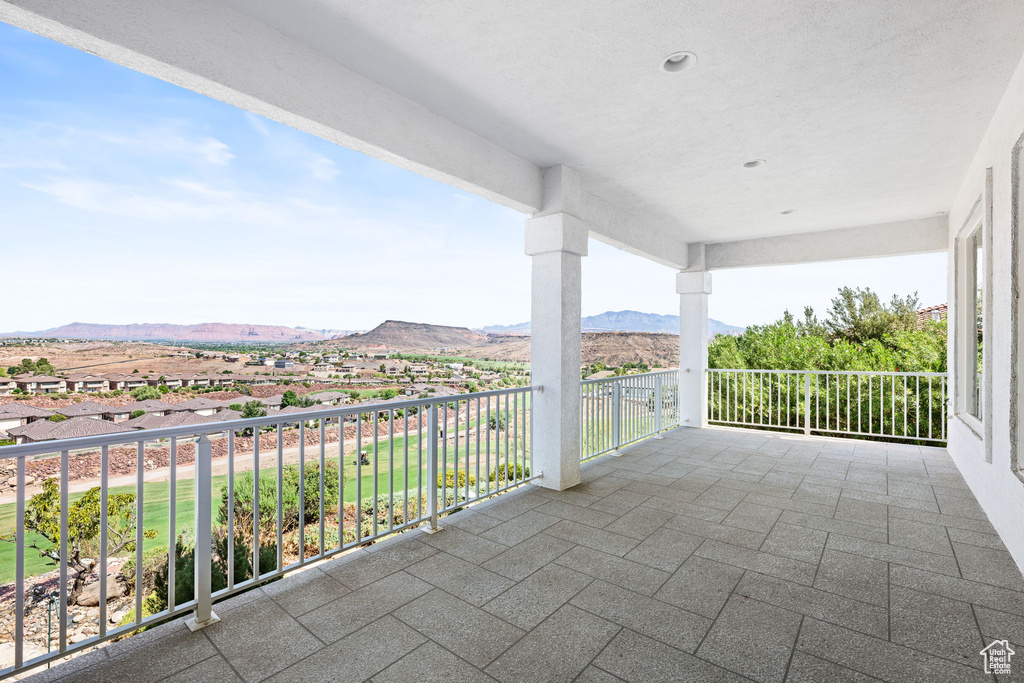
<point x="832" y="372"/>
<point x="624" y="377"/>
<point x="145" y="435"/>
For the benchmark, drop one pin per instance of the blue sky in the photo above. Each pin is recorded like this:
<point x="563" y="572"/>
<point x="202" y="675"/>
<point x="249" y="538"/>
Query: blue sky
<point x="127" y="199"/>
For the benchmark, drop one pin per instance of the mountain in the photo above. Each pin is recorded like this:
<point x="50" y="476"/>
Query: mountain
<point x="397" y="334"/>
<point x="170" y="332"/>
<point x="625" y="321"/>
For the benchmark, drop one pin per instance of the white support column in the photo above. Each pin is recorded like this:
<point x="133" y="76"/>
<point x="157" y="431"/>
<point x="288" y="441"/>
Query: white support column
<point x="556" y="242"/>
<point x="693" y="288"/>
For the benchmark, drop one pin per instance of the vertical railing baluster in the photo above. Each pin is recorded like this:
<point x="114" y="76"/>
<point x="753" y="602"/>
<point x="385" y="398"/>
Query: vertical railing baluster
<point x="231" y="509"/>
<point x="172" y="509"/>
<point x="19" y="566"/>
<point x="280" y="487"/>
<point x="323" y="475"/>
<point x="104" y="492"/>
<point x="204" y="615"/>
<point x="432" y="527"/>
<point x="140" y="470"/>
<point x="63" y="612"/>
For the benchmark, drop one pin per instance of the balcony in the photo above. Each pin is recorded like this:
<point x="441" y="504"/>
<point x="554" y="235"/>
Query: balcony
<point x="709" y="554"/>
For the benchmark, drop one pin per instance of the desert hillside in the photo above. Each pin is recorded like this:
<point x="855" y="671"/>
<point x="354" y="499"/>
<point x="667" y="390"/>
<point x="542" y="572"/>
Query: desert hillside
<point x="611" y="348"/>
<point x="210" y="332"/>
<point x="397" y="334"/>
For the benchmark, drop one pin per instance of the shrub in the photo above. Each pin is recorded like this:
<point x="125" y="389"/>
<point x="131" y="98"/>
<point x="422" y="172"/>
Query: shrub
<point x="57" y="417"/>
<point x="236" y="407"/>
<point x="508" y="470"/>
<point x="290" y="499"/>
<point x="147" y="393"/>
<point x="449" y="480"/>
<point x="136" y="413"/>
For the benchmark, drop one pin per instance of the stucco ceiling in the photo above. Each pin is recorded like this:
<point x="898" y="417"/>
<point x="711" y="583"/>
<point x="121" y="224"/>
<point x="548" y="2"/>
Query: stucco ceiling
<point x="865" y="111"/>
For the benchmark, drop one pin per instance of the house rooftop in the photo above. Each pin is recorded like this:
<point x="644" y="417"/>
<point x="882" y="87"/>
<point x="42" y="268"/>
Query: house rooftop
<point x="85" y="408"/>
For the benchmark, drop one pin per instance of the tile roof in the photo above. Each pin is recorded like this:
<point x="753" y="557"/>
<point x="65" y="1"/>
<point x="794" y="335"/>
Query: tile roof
<point x="149" y="405"/>
<point x="22" y="410"/>
<point x="72" y="428"/>
<point x="173" y="420"/>
<point x="198" y="404"/>
<point x="85" y="408"/>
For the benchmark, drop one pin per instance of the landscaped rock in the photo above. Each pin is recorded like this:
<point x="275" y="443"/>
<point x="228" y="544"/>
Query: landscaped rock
<point x="90" y="596"/>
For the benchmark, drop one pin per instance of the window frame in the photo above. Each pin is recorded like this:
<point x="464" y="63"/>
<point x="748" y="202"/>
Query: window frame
<point x="978" y="223"/>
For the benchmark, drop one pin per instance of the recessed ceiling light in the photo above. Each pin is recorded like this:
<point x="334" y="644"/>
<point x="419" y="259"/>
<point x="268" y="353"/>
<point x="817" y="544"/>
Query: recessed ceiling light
<point x="754" y="163"/>
<point x="678" y="61"/>
<point x="788" y="211"/>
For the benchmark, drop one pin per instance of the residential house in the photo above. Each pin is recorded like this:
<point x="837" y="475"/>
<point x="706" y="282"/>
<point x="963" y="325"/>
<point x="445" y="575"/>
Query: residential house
<point x="419" y="369"/>
<point x="284" y="363"/>
<point x="41" y="384"/>
<point x="72" y="428"/>
<point x="172" y="420"/>
<point x="7" y="386"/>
<point x="169" y="381"/>
<point x="199" y="406"/>
<point x="122" y="413"/>
<point x="933" y="313"/>
<point x="19" y="414"/>
<point x="331" y="358"/>
<point x="90" y="409"/>
<point x="124" y="382"/>
<point x="86" y="383"/>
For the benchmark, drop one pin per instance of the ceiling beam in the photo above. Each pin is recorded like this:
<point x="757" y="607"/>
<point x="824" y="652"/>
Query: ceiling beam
<point x="207" y="47"/>
<point x="900" y="238"/>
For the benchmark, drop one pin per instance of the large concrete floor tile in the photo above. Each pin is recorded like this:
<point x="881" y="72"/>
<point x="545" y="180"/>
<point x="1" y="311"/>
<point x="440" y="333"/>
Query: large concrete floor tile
<point x="212" y="670"/>
<point x="795" y="542"/>
<point x="616" y="570"/>
<point x="557" y="650"/>
<point x="636" y="658"/>
<point x="665" y="549"/>
<point x="837" y="526"/>
<point x="521" y="560"/>
<point x="700" y="586"/>
<point x="765" y="563"/>
<point x="653" y="618"/>
<point x="988" y="565"/>
<point x="355" y="610"/>
<point x="719" y="532"/>
<point x="469" y="632"/>
<point x="305" y="591"/>
<point x="919" y="559"/>
<point x="369" y="567"/>
<point x="854" y="614"/>
<point x="357" y="656"/>
<point x="880" y="658"/>
<point x="462" y="544"/>
<point x="431" y="663"/>
<point x="931" y="538"/>
<point x="936" y="625"/>
<point x="519" y="529"/>
<point x="640" y="522"/>
<point x="599" y="539"/>
<point x="807" y="668"/>
<point x="470" y="582"/>
<point x="854" y="576"/>
<point x="959" y="589"/>
<point x="261" y="639"/>
<point x="752" y="638"/>
<point x="533" y="599"/>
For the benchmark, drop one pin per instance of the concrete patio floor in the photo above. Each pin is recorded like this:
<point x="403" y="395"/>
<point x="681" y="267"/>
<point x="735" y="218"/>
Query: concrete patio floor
<point x="709" y="555"/>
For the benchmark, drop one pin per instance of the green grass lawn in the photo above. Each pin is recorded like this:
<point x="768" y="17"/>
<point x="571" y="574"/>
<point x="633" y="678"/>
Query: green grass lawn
<point x="156" y="495"/>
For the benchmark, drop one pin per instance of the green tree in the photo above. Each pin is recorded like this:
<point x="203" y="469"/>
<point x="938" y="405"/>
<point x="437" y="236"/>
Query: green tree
<point x="137" y="413"/>
<point x="43" y="517"/>
<point x="289" y="398"/>
<point x="146" y="393"/>
<point x="859" y="315"/>
<point x="57" y="417"/>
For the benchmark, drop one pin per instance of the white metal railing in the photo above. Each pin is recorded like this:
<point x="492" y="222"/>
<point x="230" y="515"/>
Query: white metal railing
<point x="901" y="406"/>
<point x="617" y="411"/>
<point x="359" y="473"/>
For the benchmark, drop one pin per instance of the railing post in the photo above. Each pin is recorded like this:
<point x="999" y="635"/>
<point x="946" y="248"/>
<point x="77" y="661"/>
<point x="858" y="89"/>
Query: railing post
<point x="807" y="404"/>
<point x="616" y="416"/>
<point x="659" y="407"/>
<point x="204" y="615"/>
<point x="432" y="527"/>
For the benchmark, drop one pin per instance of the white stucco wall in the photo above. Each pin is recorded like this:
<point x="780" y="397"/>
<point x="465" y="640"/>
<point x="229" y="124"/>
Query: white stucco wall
<point x="988" y="471"/>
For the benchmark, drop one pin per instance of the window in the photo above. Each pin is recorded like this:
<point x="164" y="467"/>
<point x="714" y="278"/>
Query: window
<point x="975" y="319"/>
